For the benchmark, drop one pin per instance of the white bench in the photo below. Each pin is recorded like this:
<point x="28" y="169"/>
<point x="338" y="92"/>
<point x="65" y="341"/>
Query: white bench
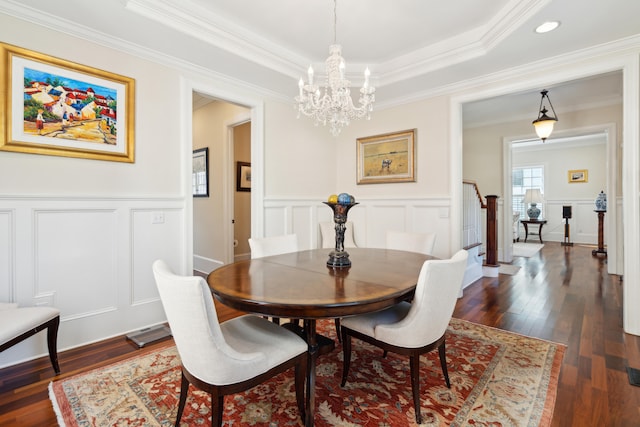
<point x="19" y="323"/>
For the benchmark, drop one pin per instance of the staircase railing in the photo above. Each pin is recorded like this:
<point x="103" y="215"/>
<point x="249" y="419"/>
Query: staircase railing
<point x="473" y="203"/>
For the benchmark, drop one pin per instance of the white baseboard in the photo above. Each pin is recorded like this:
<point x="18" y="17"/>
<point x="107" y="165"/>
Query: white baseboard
<point x="205" y="265"/>
<point x="488" y="271"/>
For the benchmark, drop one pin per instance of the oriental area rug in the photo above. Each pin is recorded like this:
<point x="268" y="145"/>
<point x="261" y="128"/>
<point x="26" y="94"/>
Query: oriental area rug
<point x="498" y="378"/>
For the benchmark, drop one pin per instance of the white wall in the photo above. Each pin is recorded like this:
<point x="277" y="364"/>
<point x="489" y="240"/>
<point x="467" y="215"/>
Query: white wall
<point x="78" y="234"/>
<point x="558" y="158"/>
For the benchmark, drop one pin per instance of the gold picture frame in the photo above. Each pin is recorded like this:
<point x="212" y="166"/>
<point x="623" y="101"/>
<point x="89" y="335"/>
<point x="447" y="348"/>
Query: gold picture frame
<point x="387" y="158"/>
<point x="56" y="107"/>
<point x="578" y="175"/>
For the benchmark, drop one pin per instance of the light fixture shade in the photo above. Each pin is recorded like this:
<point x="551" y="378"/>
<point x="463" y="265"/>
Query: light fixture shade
<point x="533" y="195"/>
<point x="544" y="123"/>
<point x="544" y="127"/>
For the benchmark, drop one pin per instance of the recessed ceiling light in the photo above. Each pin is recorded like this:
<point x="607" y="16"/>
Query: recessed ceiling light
<point x="547" y="26"/>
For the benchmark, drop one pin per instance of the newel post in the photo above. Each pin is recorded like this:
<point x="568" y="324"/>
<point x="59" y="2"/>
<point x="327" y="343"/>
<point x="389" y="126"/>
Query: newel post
<point x="492" y="231"/>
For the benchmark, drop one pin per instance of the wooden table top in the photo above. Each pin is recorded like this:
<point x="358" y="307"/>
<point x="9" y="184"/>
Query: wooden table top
<point x="533" y="221"/>
<point x="300" y="285"/>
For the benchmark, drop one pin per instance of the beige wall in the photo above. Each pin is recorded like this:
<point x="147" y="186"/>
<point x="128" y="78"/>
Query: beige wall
<point x="155" y="171"/>
<point x="300" y="158"/>
<point x="432" y="150"/>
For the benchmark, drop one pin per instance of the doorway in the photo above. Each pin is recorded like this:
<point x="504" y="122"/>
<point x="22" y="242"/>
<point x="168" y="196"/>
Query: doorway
<point x="590" y="148"/>
<point x="240" y="141"/>
<point x="212" y="126"/>
<point x="492" y="116"/>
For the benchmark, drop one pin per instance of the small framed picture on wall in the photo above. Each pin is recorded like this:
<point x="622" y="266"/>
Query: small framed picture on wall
<point x="578" y="175"/>
<point x="243" y="178"/>
<point x="200" y="175"/>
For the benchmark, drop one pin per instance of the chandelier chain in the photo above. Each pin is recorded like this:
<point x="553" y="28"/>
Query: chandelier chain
<point x="335" y="21"/>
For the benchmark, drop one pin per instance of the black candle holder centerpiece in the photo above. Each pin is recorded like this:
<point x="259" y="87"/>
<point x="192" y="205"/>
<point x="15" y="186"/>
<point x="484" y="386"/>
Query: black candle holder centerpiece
<point x="339" y="258"/>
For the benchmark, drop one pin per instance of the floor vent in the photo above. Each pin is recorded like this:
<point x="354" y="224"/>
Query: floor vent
<point x="148" y="335"/>
<point x="634" y="376"/>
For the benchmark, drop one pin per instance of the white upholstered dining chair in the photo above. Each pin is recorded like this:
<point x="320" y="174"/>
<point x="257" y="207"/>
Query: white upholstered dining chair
<point x="328" y="234"/>
<point x="229" y="357"/>
<point x="413" y="328"/>
<point x="274" y="245"/>
<point x="411" y="242"/>
<point x="19" y="323"/>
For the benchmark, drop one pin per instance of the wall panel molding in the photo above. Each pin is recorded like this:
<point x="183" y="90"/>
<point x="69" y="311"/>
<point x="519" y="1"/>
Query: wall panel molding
<point x="91" y="257"/>
<point x="371" y="219"/>
<point x="7" y="257"/>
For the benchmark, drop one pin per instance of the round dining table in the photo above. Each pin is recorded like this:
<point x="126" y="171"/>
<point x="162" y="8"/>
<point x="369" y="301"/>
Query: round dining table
<point x="299" y="285"/>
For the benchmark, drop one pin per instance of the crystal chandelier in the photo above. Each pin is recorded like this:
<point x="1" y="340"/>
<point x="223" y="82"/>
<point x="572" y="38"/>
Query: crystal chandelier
<point x="335" y="106"/>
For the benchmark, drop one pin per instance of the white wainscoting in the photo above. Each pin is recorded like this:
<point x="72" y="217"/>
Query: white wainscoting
<point x="92" y="259"/>
<point x="371" y="219"/>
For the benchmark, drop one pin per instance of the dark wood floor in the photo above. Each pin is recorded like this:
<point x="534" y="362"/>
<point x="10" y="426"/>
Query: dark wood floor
<point x="562" y="294"/>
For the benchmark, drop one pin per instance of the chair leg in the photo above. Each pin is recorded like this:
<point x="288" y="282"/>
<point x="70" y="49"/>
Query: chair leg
<point x="338" y="330"/>
<point x="184" y="389"/>
<point x="346" y="357"/>
<point x="300" y="377"/>
<point x="52" y="343"/>
<point x="217" y="408"/>
<point x="414" y="361"/>
<point x="443" y="363"/>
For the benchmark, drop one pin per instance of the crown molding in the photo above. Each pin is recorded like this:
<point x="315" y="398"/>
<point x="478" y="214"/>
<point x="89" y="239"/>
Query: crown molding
<point x="539" y="73"/>
<point x="597" y="137"/>
<point x="543" y="68"/>
<point x="472" y="44"/>
<point x="604" y="102"/>
<point x="196" y="21"/>
<point x="37" y="17"/>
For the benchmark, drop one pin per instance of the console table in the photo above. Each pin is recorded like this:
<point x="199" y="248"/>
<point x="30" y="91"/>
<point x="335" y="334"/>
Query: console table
<point x="527" y="222"/>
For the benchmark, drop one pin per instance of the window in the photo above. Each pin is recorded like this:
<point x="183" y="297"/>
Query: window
<point x="522" y="180"/>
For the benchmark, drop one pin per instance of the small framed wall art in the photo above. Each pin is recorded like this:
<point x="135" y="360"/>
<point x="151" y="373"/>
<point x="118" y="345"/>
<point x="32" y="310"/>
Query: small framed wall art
<point x="386" y="158"/>
<point x="243" y="176"/>
<point x="578" y="175"/>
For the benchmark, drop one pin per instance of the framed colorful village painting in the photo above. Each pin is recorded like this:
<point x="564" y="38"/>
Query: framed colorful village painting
<point x="60" y="108"/>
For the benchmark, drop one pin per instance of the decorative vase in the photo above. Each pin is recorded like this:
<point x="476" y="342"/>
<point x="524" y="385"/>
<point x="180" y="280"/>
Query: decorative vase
<point x="601" y="202"/>
<point x="533" y="212"/>
<point x="339" y="258"/>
